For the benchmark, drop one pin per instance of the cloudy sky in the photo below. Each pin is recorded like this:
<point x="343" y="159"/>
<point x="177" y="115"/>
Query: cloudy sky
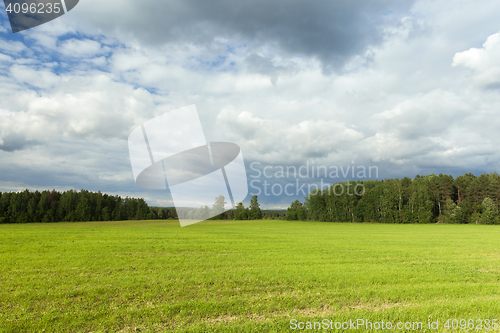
<point x="410" y="87"/>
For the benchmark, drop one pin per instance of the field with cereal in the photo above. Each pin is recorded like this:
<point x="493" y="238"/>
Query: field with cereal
<point x="245" y="276"/>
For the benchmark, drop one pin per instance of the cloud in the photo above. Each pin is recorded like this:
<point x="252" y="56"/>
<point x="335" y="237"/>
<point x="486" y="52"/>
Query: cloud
<point x="12" y="47"/>
<point x="79" y="48"/>
<point x="331" y="31"/>
<point x="37" y="78"/>
<point x="430" y="115"/>
<point x="261" y="77"/>
<point x="435" y="131"/>
<point x="15" y="141"/>
<point x="273" y="141"/>
<point x="484" y="62"/>
<point x="84" y="107"/>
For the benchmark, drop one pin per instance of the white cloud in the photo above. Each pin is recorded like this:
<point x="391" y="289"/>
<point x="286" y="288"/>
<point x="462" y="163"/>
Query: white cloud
<point x="83" y="107"/>
<point x="406" y="103"/>
<point x="274" y="142"/>
<point x="438" y="129"/>
<point x="79" y="48"/>
<point x="12" y="47"/>
<point x="484" y="62"/>
<point x="36" y="78"/>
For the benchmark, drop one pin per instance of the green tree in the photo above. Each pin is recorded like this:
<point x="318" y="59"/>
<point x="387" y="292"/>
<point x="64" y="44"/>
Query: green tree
<point x="83" y="212"/>
<point x="317" y="205"/>
<point x="254" y="212"/>
<point x="453" y="212"/>
<point x="240" y="213"/>
<point x="292" y="211"/>
<point x="490" y="213"/>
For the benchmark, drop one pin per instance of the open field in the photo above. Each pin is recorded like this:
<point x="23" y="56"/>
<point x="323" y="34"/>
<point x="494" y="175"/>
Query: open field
<point x="242" y="276"/>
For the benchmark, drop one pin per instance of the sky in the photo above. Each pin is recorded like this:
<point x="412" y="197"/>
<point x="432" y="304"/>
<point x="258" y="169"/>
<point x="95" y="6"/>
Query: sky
<point x="406" y="87"/>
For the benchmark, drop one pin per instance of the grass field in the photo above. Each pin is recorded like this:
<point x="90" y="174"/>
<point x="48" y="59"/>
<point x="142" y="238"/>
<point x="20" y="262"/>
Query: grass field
<point x="243" y="276"/>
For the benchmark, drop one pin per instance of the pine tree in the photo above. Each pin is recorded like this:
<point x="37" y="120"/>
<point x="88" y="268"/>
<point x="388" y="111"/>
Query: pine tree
<point x="254" y="209"/>
<point x="240" y="213"/>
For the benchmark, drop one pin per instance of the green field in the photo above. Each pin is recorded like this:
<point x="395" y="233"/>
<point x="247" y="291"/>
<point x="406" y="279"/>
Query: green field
<point x="243" y="276"/>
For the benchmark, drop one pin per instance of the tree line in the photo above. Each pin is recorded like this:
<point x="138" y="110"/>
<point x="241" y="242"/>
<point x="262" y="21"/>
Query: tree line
<point x="69" y="206"/>
<point x="253" y="212"/>
<point x="423" y="199"/>
<point x="79" y="206"/>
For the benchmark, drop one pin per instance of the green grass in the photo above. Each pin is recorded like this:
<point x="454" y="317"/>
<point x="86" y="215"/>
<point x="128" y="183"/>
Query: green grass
<point x="242" y="276"/>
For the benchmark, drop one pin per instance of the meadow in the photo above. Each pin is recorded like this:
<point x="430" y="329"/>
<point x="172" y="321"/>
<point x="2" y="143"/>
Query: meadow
<point x="244" y="276"/>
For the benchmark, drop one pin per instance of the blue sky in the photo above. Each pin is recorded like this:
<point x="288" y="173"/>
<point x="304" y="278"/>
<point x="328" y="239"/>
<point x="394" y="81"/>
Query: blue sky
<point x="409" y="87"/>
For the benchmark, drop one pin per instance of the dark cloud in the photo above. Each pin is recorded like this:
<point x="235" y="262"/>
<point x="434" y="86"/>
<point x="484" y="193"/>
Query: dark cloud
<point x="331" y="31"/>
<point x="258" y="64"/>
<point x="16" y="141"/>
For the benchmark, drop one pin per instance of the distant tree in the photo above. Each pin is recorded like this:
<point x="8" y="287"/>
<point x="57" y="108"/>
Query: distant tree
<point x="240" y="213"/>
<point x="296" y="211"/>
<point x="202" y="213"/>
<point x="4" y="207"/>
<point x="105" y="214"/>
<point x="317" y="205"/>
<point x="291" y="212"/>
<point x="490" y="213"/>
<point x="83" y="212"/>
<point x="421" y="201"/>
<point x="453" y="213"/>
<point x="254" y="212"/>
<point x="219" y="204"/>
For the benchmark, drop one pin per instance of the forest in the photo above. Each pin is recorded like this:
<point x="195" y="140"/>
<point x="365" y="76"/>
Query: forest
<point x="423" y="199"/>
<point x="69" y="206"/>
<point x="79" y="206"/>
